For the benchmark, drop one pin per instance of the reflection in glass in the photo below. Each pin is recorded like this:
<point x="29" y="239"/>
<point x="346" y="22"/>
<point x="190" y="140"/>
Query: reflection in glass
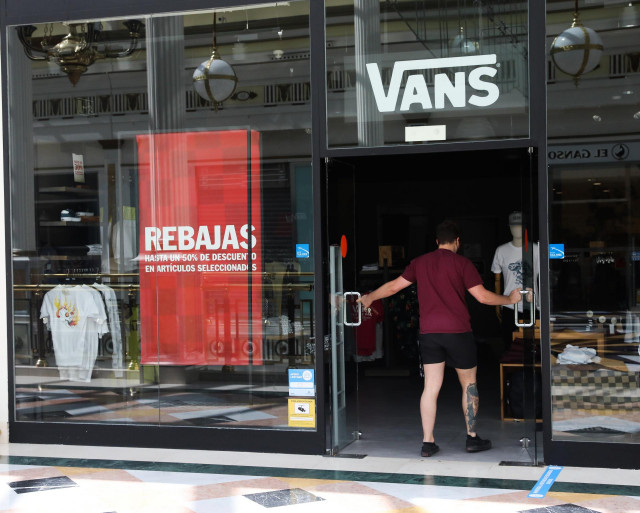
<point x="594" y="180"/>
<point x="405" y="72"/>
<point x="163" y="245"/>
<point x="595" y="335"/>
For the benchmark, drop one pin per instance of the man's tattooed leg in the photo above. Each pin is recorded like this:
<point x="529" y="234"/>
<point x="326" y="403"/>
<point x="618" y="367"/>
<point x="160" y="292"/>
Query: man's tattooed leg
<point x="471" y="411"/>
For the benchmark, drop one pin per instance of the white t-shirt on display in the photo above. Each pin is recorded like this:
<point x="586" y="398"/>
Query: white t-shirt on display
<point x="507" y="261"/>
<point x="76" y="318"/>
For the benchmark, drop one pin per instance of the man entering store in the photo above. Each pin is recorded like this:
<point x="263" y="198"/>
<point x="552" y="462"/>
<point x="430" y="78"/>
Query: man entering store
<point x="442" y="277"/>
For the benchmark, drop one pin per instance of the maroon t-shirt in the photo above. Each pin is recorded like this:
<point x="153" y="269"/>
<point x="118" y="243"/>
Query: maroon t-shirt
<point x="443" y="277"/>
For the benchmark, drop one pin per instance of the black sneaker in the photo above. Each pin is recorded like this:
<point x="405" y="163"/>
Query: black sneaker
<point x="429" y="449"/>
<point x="476" y="444"/>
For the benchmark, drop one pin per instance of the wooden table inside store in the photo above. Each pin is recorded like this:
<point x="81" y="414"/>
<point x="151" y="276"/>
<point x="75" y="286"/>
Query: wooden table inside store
<point x="616" y="351"/>
<point x="605" y="387"/>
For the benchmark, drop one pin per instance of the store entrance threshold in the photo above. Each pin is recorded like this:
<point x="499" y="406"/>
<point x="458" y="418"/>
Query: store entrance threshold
<point x="390" y="419"/>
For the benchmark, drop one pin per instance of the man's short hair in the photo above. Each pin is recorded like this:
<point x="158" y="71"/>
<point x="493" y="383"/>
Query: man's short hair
<point x="447" y="232"/>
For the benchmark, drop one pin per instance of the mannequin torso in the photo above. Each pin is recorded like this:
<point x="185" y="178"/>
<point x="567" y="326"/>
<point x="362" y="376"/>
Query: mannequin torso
<point x="505" y="256"/>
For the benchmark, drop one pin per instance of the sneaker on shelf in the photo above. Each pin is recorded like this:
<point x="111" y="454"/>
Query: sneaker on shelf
<point x="69" y="215"/>
<point x="429" y="449"/>
<point x="476" y="444"/>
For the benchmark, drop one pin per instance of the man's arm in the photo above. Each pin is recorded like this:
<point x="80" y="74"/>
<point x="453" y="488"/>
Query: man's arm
<point x="498" y="289"/>
<point x="386" y="290"/>
<point x="486" y="297"/>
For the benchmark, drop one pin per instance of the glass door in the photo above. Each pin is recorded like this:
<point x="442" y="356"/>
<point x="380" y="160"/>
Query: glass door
<point x="344" y="310"/>
<point x="527" y="317"/>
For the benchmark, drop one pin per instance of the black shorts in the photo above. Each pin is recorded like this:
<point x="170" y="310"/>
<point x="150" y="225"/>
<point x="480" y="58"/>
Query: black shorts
<point x="458" y="350"/>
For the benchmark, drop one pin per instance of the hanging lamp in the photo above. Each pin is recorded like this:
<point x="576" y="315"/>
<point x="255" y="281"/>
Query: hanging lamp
<point x="215" y="79"/>
<point x="79" y="49"/>
<point x="577" y="50"/>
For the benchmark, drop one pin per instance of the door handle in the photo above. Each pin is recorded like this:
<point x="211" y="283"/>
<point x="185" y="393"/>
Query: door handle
<point x="344" y="309"/>
<point x="533" y="312"/>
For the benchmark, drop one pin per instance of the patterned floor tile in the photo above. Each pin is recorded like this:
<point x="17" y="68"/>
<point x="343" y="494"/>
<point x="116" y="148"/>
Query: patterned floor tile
<point x="410" y="492"/>
<point x="147" y="488"/>
<point x="351" y="497"/>
<point x="575" y="497"/>
<point x="134" y="496"/>
<point x="516" y="501"/>
<point x="54" y="500"/>
<point x="238" y="488"/>
<point x="185" y="478"/>
<point x="104" y="475"/>
<point x="27" y="472"/>
<point x="609" y="504"/>
<point x="287" y="497"/>
<point x="233" y="504"/>
<point x="41" y="484"/>
<point x="306" y="483"/>
<point x="561" y="508"/>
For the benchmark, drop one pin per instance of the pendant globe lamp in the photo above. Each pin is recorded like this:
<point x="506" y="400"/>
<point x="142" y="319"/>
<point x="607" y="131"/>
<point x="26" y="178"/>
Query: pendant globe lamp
<point x="215" y="79"/>
<point x="577" y="50"/>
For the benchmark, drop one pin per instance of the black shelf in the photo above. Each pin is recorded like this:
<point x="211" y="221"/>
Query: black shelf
<point x="66" y="190"/>
<point x="75" y="224"/>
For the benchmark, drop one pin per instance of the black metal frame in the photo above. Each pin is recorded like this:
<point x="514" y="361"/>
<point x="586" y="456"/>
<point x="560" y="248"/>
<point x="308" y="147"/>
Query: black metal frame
<point x="180" y="437"/>
<point x="17" y="12"/>
<point x="582" y="454"/>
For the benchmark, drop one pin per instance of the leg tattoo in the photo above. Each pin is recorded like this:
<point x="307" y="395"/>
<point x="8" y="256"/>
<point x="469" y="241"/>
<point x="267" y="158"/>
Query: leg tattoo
<point x="472" y="407"/>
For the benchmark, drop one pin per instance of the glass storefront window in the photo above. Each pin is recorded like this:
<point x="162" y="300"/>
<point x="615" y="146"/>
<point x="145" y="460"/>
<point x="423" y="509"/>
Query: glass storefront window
<point x="162" y="237"/>
<point x="407" y="72"/>
<point x="594" y="227"/>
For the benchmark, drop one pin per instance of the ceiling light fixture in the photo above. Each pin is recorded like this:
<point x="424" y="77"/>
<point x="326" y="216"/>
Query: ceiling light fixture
<point x="79" y="49"/>
<point x="460" y="45"/>
<point x="629" y="16"/>
<point x="215" y="79"/>
<point x="577" y="50"/>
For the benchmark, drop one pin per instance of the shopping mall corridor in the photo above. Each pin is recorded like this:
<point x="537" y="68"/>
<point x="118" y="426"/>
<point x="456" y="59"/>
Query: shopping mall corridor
<point x="39" y="478"/>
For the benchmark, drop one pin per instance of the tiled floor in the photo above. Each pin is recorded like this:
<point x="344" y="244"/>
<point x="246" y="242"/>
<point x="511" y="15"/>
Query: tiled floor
<point x="382" y="472"/>
<point x="40" y="478"/>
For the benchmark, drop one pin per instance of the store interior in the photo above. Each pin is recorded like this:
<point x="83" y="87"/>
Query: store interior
<point x="397" y="202"/>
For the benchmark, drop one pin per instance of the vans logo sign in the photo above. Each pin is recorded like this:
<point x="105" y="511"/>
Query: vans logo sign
<point x="481" y="68"/>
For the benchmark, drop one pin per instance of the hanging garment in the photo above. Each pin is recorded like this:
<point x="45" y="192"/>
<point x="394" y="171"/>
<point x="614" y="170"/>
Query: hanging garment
<point x="366" y="332"/>
<point x="76" y="318"/>
<point x="113" y="317"/>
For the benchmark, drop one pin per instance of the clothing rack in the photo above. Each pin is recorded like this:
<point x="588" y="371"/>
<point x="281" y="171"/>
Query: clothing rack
<point x="124" y="282"/>
<point x="46" y="286"/>
<point x="39" y="339"/>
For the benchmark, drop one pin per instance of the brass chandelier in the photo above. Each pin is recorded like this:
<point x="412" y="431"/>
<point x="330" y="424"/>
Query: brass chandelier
<point x="79" y="49"/>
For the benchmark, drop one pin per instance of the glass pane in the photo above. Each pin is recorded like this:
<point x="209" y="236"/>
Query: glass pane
<point x="594" y="221"/>
<point x="200" y="192"/>
<point x="74" y="218"/>
<point x="412" y="72"/>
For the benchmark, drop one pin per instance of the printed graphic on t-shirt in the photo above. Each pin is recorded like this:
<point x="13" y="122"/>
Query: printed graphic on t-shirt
<point x="67" y="312"/>
<point x="519" y="271"/>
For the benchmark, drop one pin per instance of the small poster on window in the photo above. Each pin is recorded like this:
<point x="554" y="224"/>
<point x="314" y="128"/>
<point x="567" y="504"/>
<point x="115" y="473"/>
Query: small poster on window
<point x="302" y="382"/>
<point x="78" y="168"/>
<point x="302" y="413"/>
